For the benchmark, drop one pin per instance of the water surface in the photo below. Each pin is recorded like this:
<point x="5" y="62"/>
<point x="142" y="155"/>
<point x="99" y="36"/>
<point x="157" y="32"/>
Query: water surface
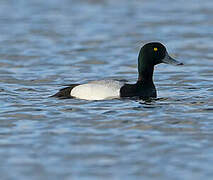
<point x="45" y="45"/>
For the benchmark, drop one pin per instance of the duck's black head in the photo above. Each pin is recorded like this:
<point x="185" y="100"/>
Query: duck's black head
<point x="155" y="53"/>
<point x="150" y="55"/>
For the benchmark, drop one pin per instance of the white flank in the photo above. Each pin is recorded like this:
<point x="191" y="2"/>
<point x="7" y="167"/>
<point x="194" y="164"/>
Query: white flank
<point x="98" y="90"/>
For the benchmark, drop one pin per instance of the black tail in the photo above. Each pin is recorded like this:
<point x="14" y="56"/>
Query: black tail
<point x="65" y="92"/>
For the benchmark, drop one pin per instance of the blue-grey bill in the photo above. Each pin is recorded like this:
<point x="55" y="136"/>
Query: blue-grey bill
<point x="169" y="60"/>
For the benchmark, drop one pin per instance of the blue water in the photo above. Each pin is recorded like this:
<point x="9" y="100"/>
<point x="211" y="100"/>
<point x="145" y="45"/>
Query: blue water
<point x="45" y="45"/>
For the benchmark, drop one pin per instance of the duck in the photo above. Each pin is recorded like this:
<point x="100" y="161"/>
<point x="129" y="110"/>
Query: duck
<point x="150" y="55"/>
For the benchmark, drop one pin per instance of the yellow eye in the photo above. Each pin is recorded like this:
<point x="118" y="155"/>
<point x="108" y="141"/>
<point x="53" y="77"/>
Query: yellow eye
<point x="155" y="49"/>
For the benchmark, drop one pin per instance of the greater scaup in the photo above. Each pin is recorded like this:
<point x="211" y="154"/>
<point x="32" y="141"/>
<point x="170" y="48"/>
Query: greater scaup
<point x="150" y="55"/>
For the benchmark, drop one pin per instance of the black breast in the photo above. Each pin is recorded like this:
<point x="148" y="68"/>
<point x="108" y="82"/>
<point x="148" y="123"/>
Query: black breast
<point x="142" y="91"/>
